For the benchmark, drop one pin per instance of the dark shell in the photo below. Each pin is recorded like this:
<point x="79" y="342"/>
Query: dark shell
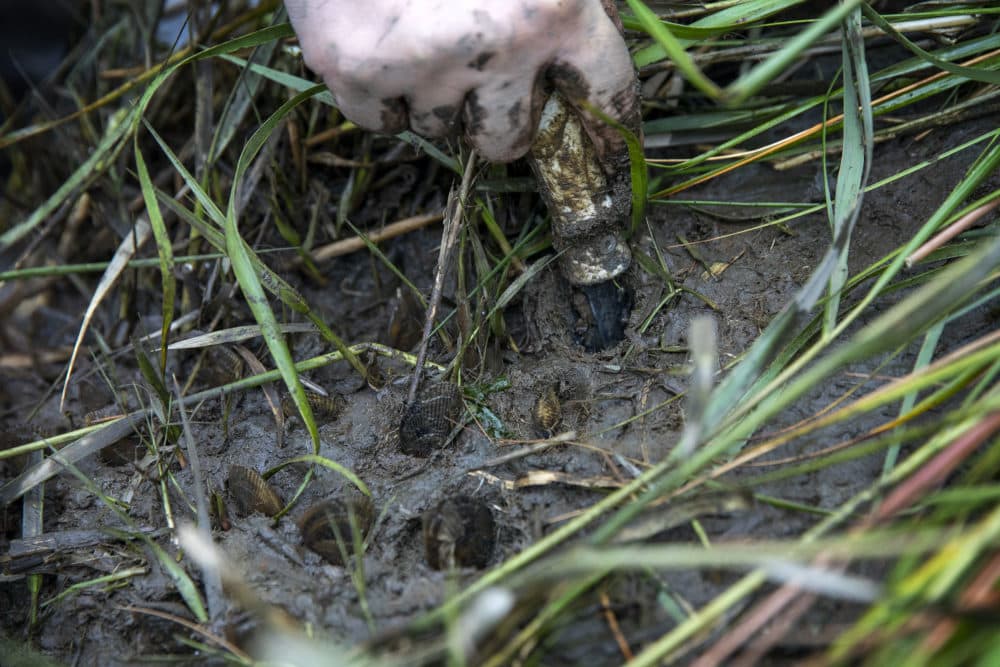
<point x="429" y="419"/>
<point x="104" y="414"/>
<point x="251" y="492"/>
<point x="459" y="532"/>
<point x="324" y="408"/>
<point x="548" y="411"/>
<point x="326" y="526"/>
<point x="406" y="321"/>
<point x="373" y="369"/>
<point x="127" y="450"/>
<point x="223" y="364"/>
<point x="218" y="511"/>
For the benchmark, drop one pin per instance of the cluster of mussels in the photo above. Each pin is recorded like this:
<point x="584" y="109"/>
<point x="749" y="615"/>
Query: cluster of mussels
<point x="457" y="532"/>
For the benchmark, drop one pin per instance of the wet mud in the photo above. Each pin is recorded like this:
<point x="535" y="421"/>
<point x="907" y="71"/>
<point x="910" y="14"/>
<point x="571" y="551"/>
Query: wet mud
<point x="621" y="404"/>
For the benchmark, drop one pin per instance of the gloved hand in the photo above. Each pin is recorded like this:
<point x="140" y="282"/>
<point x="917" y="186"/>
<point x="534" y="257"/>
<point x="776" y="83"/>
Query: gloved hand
<point x="482" y="67"/>
<point x="488" y="68"/>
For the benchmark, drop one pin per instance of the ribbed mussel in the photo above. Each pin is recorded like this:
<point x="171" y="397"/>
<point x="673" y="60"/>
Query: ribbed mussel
<point x="127" y="450"/>
<point x="328" y="528"/>
<point x="251" y="493"/>
<point x="324" y="408"/>
<point x="547" y="412"/>
<point x="223" y="365"/>
<point x="429" y="419"/>
<point x="459" y="532"/>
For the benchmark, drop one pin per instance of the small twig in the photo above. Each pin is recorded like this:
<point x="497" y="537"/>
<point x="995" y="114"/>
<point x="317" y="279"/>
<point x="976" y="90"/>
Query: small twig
<point x="356" y="243"/>
<point x="529" y="450"/>
<point x="193" y="627"/>
<point x="452" y="225"/>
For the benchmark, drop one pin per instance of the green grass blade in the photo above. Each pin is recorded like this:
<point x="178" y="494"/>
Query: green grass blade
<point x="326" y="463"/>
<point x="164" y="251"/>
<point x="295" y="83"/>
<point x="856" y="159"/>
<point x="924" y="357"/>
<point x="748" y="84"/>
<point x="674" y="49"/>
<point x="637" y="168"/>
<point x="185" y="586"/>
<point x="155" y="380"/>
<point x="249" y="280"/>
<point x="973" y="73"/>
<point x="121" y="124"/>
<point x="252" y="283"/>
<point x="240" y="100"/>
<point x="299" y="84"/>
<point x="206" y="202"/>
<point x="738" y="17"/>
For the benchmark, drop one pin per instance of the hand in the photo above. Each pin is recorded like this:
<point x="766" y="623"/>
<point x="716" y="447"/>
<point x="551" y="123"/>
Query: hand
<point x="482" y="67"/>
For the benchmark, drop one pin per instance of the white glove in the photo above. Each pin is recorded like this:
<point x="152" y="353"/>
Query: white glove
<point x="482" y="67"/>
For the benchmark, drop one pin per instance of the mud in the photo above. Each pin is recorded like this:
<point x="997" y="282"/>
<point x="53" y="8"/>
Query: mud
<point x="606" y="398"/>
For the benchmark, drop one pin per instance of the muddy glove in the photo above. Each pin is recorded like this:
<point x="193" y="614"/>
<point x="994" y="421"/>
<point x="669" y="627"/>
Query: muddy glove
<point x="486" y="69"/>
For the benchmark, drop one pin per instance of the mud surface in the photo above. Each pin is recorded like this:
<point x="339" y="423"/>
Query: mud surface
<point x="621" y="404"/>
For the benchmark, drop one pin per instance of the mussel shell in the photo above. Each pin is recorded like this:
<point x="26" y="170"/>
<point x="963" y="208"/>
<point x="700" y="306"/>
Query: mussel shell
<point x="375" y="376"/>
<point x="459" y="532"/>
<point x="429" y="419"/>
<point x="406" y="321"/>
<point x="223" y="365"/>
<point x="326" y="526"/>
<point x="251" y="492"/>
<point x="547" y="412"/>
<point x="325" y="408"/>
<point x="127" y="450"/>
<point x="106" y="413"/>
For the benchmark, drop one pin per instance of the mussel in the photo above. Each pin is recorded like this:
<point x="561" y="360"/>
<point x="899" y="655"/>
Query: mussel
<point x="459" y="532"/>
<point x="223" y="364"/>
<point x="547" y="412"/>
<point x="429" y="419"/>
<point x="329" y="527"/>
<point x="127" y="450"/>
<point x="324" y="408"/>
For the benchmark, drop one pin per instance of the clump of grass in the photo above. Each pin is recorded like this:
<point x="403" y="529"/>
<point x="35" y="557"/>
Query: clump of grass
<point x="719" y="82"/>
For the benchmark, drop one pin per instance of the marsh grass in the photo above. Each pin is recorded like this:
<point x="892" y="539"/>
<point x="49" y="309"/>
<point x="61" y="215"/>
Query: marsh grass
<point x="209" y="181"/>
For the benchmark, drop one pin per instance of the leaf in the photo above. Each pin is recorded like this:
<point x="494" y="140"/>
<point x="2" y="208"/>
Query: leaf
<point x="251" y="282"/>
<point x="855" y="159"/>
<point x="737" y="16"/>
<point x="185" y="586"/>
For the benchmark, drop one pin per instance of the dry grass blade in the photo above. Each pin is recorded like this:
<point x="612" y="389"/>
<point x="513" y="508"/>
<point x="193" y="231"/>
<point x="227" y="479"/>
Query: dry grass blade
<point x="454" y="218"/>
<point x="347" y="246"/>
<point x="126" y="250"/>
